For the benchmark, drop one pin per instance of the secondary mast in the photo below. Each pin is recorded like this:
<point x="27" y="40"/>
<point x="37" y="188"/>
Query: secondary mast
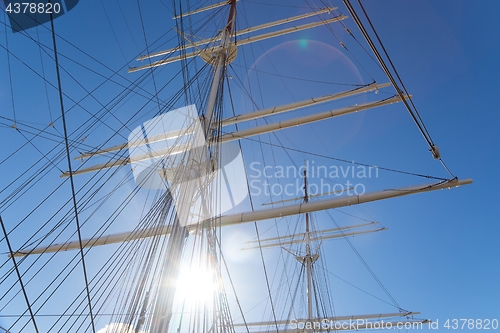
<point x="309" y="258"/>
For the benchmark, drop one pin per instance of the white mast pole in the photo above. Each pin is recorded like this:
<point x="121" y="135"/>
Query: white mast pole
<point x="168" y="285"/>
<point x="220" y="59"/>
<point x="308" y="258"/>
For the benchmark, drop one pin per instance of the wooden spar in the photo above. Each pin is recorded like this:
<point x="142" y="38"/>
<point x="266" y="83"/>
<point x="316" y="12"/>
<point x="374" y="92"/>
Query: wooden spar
<point x="313" y="239"/>
<point x="103" y="240"/>
<point x="157" y="138"/>
<point x="313" y="236"/>
<point x="244" y="117"/>
<point x="304" y="120"/>
<point x="313" y="233"/>
<point x="242" y="42"/>
<point x="226" y="220"/>
<point x="336" y="318"/>
<point x="294" y="106"/>
<point x="237" y="33"/>
<point x="354" y="326"/>
<point x="335" y="202"/>
<point x="200" y="10"/>
<point x="245" y="133"/>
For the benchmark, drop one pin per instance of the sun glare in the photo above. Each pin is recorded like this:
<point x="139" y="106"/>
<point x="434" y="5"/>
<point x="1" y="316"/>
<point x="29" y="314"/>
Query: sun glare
<point x="196" y="284"/>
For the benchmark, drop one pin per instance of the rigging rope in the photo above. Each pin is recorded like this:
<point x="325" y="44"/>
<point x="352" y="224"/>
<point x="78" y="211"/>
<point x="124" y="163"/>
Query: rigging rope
<point x="347" y="161"/>
<point x="10" y="74"/>
<point x="28" y="304"/>
<point x="73" y="192"/>
<point x="364" y="262"/>
<point x="411" y="109"/>
<point x="149" y="59"/>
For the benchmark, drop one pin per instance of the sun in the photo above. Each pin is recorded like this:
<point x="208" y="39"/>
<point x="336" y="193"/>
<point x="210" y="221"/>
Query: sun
<point x="196" y="284"/>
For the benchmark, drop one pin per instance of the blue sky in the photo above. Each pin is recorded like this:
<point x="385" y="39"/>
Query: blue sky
<point x="447" y="56"/>
<point x="440" y="254"/>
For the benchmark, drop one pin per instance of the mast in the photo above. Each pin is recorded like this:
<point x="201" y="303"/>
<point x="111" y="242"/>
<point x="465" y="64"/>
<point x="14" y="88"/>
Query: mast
<point x="220" y="61"/>
<point x="308" y="259"/>
<point x="165" y="300"/>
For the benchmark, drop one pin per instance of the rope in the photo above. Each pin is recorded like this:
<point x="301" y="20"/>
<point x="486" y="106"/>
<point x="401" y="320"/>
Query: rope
<point x="347" y="161"/>
<point x="73" y="192"/>
<point x="411" y="109"/>
<point x="18" y="277"/>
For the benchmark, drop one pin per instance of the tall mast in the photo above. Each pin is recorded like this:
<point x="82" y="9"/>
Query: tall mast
<point x="220" y="63"/>
<point x="308" y="259"/>
<point x="165" y="300"/>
